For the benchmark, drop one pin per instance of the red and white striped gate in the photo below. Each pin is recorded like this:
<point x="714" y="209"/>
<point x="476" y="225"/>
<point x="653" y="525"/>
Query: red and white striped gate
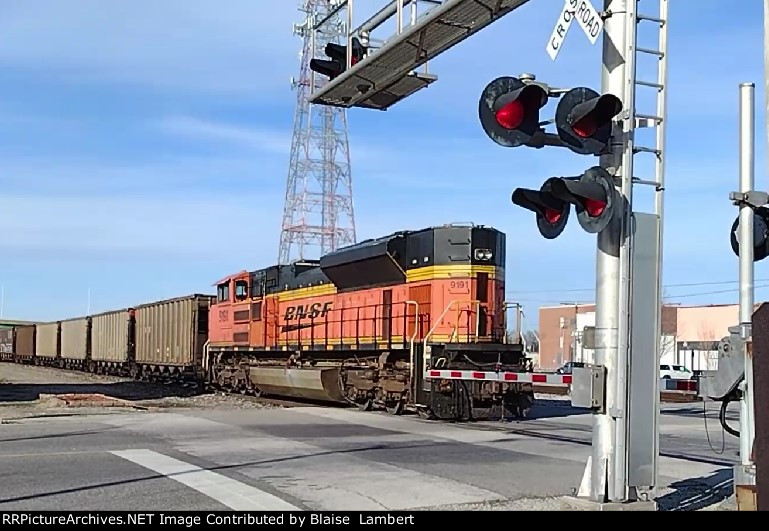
<point x="511" y="377"/>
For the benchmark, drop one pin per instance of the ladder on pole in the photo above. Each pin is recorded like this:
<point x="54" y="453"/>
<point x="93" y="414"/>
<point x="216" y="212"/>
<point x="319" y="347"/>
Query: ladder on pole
<point x="658" y="119"/>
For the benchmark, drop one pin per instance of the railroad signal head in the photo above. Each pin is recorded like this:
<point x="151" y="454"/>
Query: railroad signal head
<point x="552" y="213"/>
<point x="509" y="110"/>
<point x="593" y="195"/>
<point x="583" y="119"/>
<point x="338" y="62"/>
<point x="760" y="234"/>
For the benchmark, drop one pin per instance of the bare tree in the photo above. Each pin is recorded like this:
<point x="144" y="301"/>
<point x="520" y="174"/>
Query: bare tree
<point x="667" y="344"/>
<point x="529" y="337"/>
<point x="532" y="342"/>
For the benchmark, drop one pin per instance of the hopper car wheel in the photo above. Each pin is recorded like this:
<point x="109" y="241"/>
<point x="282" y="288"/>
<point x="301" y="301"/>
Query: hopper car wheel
<point x="394" y="407"/>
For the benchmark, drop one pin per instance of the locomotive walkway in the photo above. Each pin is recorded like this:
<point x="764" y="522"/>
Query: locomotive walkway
<point x="322" y="458"/>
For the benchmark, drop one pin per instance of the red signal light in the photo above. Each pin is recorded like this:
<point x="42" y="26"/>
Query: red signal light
<point x="509" y="110"/>
<point x="511" y="115"/>
<point x="585" y="128"/>
<point x="593" y="195"/>
<point x="552" y="216"/>
<point x="337" y="63"/>
<point x="594" y="207"/>
<point x="552" y="213"/>
<point x="583" y="120"/>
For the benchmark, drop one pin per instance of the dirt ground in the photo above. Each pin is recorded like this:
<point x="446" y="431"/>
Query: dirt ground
<point x="34" y="391"/>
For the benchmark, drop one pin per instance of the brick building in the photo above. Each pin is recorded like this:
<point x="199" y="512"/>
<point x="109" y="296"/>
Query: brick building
<point x="562" y="330"/>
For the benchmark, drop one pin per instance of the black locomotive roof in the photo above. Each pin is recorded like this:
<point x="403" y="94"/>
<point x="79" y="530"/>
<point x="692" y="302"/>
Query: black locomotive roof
<point x="384" y="261"/>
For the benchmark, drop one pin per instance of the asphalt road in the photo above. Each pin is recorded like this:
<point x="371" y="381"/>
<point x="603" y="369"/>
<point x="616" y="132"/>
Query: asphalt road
<point x="324" y="458"/>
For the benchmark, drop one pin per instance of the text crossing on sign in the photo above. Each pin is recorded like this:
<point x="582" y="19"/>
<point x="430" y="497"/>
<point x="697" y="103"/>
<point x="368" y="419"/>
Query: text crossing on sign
<point x="586" y="15"/>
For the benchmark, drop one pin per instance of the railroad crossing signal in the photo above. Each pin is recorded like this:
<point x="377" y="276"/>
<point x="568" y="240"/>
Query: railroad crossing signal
<point x="593" y="195"/>
<point x="760" y="234"/>
<point x="583" y="119"/>
<point x="338" y="62"/>
<point x="509" y="110"/>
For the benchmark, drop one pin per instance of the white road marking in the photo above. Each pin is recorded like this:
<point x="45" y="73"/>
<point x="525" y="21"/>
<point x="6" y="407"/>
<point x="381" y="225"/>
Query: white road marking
<point x="234" y="494"/>
<point x="322" y="478"/>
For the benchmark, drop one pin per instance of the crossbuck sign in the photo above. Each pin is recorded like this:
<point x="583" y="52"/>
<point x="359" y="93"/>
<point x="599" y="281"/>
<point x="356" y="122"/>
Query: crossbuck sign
<point x="587" y="17"/>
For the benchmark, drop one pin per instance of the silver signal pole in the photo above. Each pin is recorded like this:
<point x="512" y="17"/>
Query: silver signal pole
<point x="745" y="472"/>
<point x="623" y="464"/>
<point x="608" y="267"/>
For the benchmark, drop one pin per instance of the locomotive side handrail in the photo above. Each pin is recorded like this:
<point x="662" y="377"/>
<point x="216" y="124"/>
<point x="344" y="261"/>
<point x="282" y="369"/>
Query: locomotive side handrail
<point x="437" y="322"/>
<point x="343" y="319"/>
<point x="455" y="332"/>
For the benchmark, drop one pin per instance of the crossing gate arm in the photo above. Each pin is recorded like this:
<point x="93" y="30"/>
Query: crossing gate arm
<point x="508" y="377"/>
<point x="387" y="76"/>
<point x="564" y="380"/>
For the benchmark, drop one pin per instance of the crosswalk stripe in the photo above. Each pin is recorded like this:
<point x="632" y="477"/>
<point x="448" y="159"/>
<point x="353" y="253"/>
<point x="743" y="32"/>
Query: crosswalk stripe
<point x="227" y="491"/>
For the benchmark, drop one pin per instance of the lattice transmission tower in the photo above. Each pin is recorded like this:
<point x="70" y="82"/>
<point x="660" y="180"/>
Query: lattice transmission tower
<point x="318" y="213"/>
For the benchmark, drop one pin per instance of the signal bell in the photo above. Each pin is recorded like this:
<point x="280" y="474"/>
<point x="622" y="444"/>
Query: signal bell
<point x="760" y="234"/>
<point x="583" y="119"/>
<point x="509" y="110"/>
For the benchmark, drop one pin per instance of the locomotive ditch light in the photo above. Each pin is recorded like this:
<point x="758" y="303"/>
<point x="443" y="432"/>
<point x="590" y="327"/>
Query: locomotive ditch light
<point x="583" y="119"/>
<point x="552" y="212"/>
<point x="338" y="63"/>
<point x="509" y="110"/>
<point x="483" y="254"/>
<point x="593" y="196"/>
<point x="760" y="234"/>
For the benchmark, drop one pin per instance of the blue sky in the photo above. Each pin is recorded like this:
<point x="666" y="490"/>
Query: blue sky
<point x="144" y="149"/>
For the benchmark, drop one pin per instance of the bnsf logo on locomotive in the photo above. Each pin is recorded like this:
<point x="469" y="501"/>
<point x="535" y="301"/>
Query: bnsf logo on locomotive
<point x="307" y="311"/>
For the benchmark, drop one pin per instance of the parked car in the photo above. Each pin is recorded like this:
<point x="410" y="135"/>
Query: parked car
<point x="567" y="367"/>
<point x="676" y="372"/>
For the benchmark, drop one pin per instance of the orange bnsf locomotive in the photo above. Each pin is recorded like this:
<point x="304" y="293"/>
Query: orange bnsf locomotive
<point x="363" y="325"/>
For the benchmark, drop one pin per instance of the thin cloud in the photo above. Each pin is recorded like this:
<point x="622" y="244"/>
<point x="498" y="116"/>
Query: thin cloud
<point x="174" y="44"/>
<point x="249" y="137"/>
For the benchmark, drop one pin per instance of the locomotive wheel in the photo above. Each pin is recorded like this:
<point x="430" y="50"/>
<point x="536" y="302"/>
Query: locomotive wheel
<point x="365" y="405"/>
<point x="394" y="407"/>
<point x="519" y="405"/>
<point x="425" y="413"/>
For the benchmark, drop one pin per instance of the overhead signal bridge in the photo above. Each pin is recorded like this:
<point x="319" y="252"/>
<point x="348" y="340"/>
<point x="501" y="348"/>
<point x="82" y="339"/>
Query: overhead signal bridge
<point x="368" y="74"/>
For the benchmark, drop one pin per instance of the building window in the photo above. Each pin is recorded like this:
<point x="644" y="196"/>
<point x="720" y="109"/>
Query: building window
<point x="562" y="322"/>
<point x="560" y="342"/>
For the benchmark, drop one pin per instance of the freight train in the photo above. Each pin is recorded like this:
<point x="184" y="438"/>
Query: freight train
<point x="362" y="325"/>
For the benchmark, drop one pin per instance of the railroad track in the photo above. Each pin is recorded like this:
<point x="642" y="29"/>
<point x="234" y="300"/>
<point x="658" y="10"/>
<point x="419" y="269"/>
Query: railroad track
<point x="692" y="450"/>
